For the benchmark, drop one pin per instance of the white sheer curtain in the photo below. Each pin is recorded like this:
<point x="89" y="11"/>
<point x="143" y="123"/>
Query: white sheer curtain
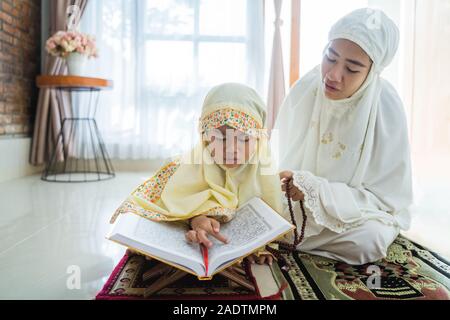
<point x="163" y="57"/>
<point x="276" y="89"/>
<point x="425" y="87"/>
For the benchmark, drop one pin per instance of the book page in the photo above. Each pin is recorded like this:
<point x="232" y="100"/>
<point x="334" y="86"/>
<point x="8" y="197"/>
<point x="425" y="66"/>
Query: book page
<point x="244" y="229"/>
<point x="168" y="236"/>
<point x="254" y="225"/>
<point x="161" y="239"/>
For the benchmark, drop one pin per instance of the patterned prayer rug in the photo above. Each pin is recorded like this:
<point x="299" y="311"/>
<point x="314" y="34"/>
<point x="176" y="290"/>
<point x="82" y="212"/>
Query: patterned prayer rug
<point x="126" y="283"/>
<point x="408" y="272"/>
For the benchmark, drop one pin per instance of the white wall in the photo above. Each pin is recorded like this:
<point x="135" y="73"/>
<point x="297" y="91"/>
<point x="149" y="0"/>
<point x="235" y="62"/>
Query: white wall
<point x="14" y="157"/>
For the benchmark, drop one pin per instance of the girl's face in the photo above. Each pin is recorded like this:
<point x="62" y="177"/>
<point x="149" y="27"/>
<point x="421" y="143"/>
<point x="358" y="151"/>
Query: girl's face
<point x="345" y="67"/>
<point x="230" y="147"/>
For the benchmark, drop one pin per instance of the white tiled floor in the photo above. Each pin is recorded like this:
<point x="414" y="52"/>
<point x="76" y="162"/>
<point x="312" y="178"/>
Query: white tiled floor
<point x="47" y="227"/>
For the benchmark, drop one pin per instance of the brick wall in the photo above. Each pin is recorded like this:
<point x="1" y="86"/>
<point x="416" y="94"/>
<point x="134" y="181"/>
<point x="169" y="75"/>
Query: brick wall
<point x="20" y="40"/>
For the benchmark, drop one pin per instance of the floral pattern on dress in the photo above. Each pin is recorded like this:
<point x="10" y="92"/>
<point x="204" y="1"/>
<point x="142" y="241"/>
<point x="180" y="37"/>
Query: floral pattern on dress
<point x="152" y="189"/>
<point x="130" y="206"/>
<point x="221" y="214"/>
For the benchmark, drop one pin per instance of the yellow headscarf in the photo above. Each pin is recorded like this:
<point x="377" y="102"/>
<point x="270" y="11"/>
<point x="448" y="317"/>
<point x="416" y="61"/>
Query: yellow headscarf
<point x="195" y="185"/>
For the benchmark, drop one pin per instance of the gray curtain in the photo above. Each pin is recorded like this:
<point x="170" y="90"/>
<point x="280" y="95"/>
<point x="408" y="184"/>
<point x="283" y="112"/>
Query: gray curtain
<point x="53" y="105"/>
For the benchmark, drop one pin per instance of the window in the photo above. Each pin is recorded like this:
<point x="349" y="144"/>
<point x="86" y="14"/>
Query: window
<point x="163" y="57"/>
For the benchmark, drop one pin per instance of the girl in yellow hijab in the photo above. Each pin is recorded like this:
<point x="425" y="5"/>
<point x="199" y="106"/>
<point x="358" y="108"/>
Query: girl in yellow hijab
<point x="230" y="165"/>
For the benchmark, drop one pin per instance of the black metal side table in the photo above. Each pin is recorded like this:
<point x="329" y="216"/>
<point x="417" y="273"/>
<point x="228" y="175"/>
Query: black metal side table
<point x="79" y="154"/>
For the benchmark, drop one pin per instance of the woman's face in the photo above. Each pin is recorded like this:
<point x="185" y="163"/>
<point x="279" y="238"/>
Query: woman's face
<point x="345" y="67"/>
<point x="230" y="147"/>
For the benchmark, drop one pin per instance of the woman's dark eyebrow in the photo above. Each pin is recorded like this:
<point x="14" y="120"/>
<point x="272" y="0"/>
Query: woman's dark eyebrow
<point x="334" y="52"/>
<point x="356" y="62"/>
<point x="348" y="60"/>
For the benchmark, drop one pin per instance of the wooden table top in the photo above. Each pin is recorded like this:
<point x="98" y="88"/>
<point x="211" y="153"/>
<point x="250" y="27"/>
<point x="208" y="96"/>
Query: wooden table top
<point x="76" y="82"/>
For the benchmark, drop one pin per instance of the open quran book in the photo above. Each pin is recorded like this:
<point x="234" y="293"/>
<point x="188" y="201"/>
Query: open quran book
<point x="255" y="225"/>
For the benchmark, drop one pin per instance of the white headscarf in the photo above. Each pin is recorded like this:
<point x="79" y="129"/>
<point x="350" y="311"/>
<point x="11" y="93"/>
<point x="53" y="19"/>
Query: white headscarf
<point x="360" y="142"/>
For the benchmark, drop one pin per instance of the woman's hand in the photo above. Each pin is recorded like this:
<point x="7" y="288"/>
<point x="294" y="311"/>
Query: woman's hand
<point x="263" y="258"/>
<point x="294" y="192"/>
<point x="201" y="227"/>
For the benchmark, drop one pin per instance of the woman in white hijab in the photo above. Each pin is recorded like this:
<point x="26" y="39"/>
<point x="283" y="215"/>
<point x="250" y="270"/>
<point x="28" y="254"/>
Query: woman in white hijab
<point x="343" y="140"/>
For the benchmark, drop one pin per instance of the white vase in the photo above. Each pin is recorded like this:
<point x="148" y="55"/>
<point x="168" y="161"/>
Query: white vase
<point x="76" y="64"/>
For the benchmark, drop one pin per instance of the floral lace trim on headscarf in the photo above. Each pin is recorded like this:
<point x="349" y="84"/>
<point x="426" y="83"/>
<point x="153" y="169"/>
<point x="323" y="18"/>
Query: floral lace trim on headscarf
<point x="233" y="118"/>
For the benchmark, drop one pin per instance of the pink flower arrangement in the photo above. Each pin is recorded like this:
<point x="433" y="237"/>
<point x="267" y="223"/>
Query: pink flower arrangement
<point x="63" y="43"/>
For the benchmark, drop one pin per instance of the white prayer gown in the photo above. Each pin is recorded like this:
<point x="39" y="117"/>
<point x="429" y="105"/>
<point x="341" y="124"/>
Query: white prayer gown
<point x="350" y="157"/>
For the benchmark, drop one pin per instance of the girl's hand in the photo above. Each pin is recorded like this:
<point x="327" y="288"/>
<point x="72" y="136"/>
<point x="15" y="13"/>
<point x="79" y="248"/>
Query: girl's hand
<point x="263" y="258"/>
<point x="201" y="227"/>
<point x="294" y="192"/>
